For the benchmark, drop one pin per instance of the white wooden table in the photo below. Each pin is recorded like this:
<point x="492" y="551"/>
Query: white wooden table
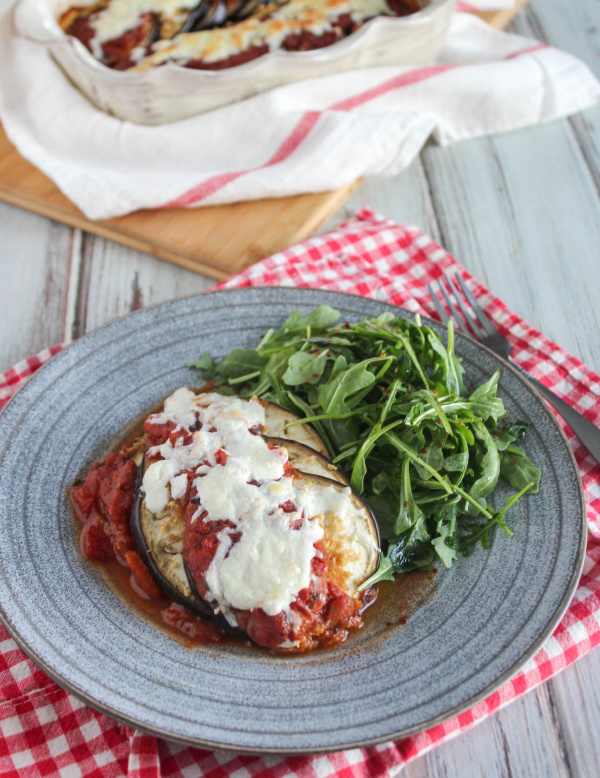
<point x="520" y="211"/>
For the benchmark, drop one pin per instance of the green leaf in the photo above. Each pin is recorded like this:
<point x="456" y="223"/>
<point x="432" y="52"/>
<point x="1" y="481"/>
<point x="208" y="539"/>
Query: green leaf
<point x="268" y="384"/>
<point x="336" y="396"/>
<point x="456" y="463"/>
<point x="381" y="482"/>
<point x="446" y="531"/>
<point x="453" y="369"/>
<point x="409" y="513"/>
<point x="433" y="456"/>
<point x="274" y="371"/>
<point x="483" y="533"/>
<point x="385" y="572"/>
<point x="304" y="367"/>
<point x="509" y="433"/>
<point x="489" y="466"/>
<point x="484" y="402"/>
<point x="385" y="513"/>
<point x="296" y="404"/>
<point x="240" y="362"/>
<point x="412" y="549"/>
<point x="321" y="317"/>
<point x="205" y="363"/>
<point x="518" y="470"/>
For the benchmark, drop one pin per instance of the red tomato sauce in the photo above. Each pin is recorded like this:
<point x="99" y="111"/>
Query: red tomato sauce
<point x="116" y="53"/>
<point x="102" y="503"/>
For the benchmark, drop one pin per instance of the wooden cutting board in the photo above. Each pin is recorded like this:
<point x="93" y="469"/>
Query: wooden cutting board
<point x="216" y="241"/>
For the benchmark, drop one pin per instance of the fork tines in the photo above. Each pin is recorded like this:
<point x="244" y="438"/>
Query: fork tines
<point x="473" y="316"/>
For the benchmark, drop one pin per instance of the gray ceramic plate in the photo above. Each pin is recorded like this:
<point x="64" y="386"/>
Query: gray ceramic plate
<point x="487" y="615"/>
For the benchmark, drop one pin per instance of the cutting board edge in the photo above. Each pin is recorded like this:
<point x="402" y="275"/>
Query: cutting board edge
<point x="52" y="204"/>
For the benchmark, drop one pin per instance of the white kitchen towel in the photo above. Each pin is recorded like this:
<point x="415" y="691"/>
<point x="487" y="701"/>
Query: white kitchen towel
<point x="306" y="137"/>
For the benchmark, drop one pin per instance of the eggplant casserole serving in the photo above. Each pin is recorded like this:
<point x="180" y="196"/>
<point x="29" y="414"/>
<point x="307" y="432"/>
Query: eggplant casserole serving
<point x="257" y="506"/>
<point x="215" y="34"/>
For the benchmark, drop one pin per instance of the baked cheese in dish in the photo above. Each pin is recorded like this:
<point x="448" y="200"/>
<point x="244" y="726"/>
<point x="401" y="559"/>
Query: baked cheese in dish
<point x="142" y="34"/>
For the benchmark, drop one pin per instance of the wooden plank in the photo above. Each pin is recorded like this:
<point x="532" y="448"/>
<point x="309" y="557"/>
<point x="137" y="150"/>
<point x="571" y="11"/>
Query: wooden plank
<point x="576" y="698"/>
<point x="518" y="741"/>
<point x="36" y="263"/>
<point x="216" y="240"/>
<point x="502" y="19"/>
<point x="522" y="236"/>
<point x="577" y="32"/>
<point x="405" y="198"/>
<point x="115" y="280"/>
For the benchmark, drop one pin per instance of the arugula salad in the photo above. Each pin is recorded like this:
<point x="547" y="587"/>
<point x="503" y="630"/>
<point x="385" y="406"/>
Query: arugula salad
<point x="389" y="400"/>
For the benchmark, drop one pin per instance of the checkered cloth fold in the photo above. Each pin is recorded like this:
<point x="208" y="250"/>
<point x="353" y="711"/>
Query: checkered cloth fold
<point x="46" y="731"/>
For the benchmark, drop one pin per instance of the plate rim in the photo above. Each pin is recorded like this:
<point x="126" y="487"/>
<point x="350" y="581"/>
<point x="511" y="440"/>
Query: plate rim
<point x="362" y="743"/>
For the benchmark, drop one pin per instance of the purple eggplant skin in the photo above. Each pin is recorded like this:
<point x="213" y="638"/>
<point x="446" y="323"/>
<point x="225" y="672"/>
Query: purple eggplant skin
<point x="298" y="451"/>
<point x="135" y="524"/>
<point x="195" y="17"/>
<point x="194" y="604"/>
<point x="217" y="617"/>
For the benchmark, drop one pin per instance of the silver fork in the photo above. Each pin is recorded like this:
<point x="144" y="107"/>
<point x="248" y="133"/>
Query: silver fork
<point x="482" y="329"/>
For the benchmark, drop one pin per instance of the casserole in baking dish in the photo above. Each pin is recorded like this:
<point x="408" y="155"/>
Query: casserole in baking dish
<point x="170" y="74"/>
<point x="141" y="34"/>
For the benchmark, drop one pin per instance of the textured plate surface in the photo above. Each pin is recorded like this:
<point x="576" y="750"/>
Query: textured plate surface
<point x="488" y="614"/>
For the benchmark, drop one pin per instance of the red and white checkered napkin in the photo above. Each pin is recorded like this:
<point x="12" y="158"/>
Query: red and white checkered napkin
<point x="44" y="730"/>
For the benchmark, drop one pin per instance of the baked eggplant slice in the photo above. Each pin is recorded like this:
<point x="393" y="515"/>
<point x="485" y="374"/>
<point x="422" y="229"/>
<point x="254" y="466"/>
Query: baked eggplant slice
<point x="350" y="541"/>
<point x="307" y="460"/>
<point x="276" y="419"/>
<point x="243" y="580"/>
<point x="159" y="538"/>
<point x="159" y="542"/>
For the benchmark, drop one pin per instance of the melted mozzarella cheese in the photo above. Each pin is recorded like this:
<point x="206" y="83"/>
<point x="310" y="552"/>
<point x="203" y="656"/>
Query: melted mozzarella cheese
<point x="226" y="494"/>
<point x="271" y="562"/>
<point x="351" y="547"/>
<point x="157" y="479"/>
<point x="267" y="567"/>
<point x="119" y="16"/>
<point x="296" y="16"/>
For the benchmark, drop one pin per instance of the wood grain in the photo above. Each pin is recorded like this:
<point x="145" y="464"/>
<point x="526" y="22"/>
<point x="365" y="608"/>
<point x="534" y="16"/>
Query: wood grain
<point x="35" y="258"/>
<point x="506" y="234"/>
<point x="114" y="280"/>
<point x="502" y="19"/>
<point x="216" y="240"/>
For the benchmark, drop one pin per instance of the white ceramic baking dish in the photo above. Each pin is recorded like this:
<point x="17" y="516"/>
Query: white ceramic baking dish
<point x="172" y="92"/>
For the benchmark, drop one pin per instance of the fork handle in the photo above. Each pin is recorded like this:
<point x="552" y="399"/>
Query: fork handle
<point x="588" y="433"/>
